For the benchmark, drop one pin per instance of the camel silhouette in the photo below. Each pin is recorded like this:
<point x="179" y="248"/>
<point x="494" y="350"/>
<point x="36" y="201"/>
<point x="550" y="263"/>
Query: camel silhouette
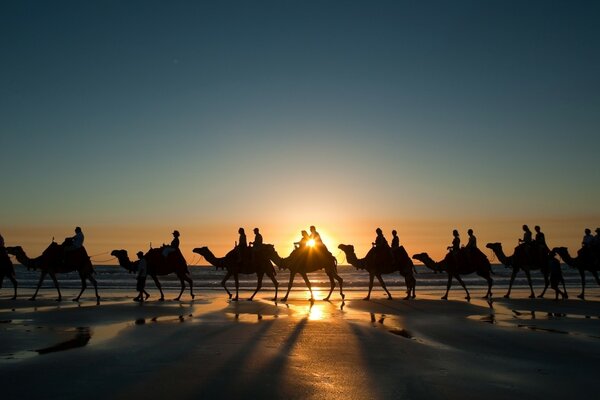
<point x="235" y="263"/>
<point x="522" y="260"/>
<point x="385" y="264"/>
<point x="459" y="264"/>
<point x="158" y="265"/>
<point x="54" y="260"/>
<point x="583" y="262"/>
<point x="7" y="270"/>
<point x="309" y="259"/>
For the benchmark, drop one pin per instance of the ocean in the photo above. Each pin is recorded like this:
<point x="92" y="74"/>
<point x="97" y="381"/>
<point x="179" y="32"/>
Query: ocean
<point x="207" y="278"/>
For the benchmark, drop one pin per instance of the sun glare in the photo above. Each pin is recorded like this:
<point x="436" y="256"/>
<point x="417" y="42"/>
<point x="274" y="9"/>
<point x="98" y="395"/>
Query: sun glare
<point x="311" y="243"/>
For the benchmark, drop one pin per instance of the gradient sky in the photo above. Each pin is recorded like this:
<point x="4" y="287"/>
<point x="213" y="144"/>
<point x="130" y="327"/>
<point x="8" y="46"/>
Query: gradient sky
<point x="134" y="118"/>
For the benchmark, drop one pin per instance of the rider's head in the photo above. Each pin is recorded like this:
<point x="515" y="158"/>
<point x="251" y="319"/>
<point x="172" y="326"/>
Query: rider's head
<point x="455" y="232"/>
<point x="304" y="233"/>
<point x="470" y="232"/>
<point x="587" y="231"/>
<point x="394" y="233"/>
<point x="78" y="229"/>
<point x="241" y="230"/>
<point x="537" y="228"/>
<point x="525" y="228"/>
<point x="176" y="233"/>
<point x="140" y="254"/>
<point x="255" y="230"/>
<point x="312" y="228"/>
<point x="378" y="231"/>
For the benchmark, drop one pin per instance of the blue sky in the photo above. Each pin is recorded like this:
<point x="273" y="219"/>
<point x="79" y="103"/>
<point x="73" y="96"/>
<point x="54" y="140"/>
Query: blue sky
<point x="348" y="114"/>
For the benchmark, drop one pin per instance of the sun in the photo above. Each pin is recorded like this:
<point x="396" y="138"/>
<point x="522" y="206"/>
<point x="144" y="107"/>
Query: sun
<point x="311" y="243"/>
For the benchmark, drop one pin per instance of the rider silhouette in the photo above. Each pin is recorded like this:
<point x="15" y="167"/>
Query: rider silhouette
<point x="174" y="244"/>
<point x="301" y="244"/>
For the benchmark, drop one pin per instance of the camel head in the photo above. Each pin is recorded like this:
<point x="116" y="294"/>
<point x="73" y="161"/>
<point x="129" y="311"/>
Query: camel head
<point x="422" y="257"/>
<point x="346" y="248"/>
<point x="427" y="261"/>
<point x="494" y="246"/>
<point x="119" y="253"/>
<point x="203" y="251"/>
<point x="15" y="251"/>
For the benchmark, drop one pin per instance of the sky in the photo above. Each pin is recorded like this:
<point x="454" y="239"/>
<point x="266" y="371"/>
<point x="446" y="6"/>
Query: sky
<point x="134" y="118"/>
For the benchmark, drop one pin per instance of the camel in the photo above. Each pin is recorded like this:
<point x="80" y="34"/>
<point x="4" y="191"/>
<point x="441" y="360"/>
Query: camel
<point x="159" y="265"/>
<point x="54" y="260"/>
<point x="461" y="264"/>
<point x="310" y="259"/>
<point x="522" y="259"/>
<point x="582" y="263"/>
<point x="235" y="263"/>
<point x="7" y="270"/>
<point x="384" y="265"/>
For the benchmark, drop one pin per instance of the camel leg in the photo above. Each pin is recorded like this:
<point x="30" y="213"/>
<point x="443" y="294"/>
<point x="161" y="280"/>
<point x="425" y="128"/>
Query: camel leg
<point x="341" y="282"/>
<point x="382" y="283"/>
<point x="308" y="285"/>
<point x="236" y="279"/>
<point x="95" y="283"/>
<point x="14" y="282"/>
<point x="275" y="283"/>
<point x="53" y="276"/>
<point x="182" y="282"/>
<point x="83" y="287"/>
<point x="258" y="286"/>
<point x="512" y="280"/>
<point x="189" y="280"/>
<point x="332" y="286"/>
<point x="411" y="284"/>
<point x="486" y="275"/>
<point x="528" y="275"/>
<point x="459" y="279"/>
<point x="159" y="286"/>
<point x="595" y="273"/>
<point x="546" y="284"/>
<point x="224" y="281"/>
<point x="291" y="282"/>
<point x="582" y="274"/>
<point x="42" y="276"/>
<point x="371" y="278"/>
<point x="445" y="297"/>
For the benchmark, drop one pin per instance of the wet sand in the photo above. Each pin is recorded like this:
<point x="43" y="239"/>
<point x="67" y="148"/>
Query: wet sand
<point x="212" y="348"/>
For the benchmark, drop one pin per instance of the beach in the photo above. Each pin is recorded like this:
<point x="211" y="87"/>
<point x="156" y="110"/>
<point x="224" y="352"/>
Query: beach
<point x="211" y="347"/>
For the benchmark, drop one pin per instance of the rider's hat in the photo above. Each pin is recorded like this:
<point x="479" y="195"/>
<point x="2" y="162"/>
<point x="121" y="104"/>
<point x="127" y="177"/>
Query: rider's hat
<point x="176" y="233"/>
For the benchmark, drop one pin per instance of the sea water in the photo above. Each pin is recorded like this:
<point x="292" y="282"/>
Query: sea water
<point x="208" y="277"/>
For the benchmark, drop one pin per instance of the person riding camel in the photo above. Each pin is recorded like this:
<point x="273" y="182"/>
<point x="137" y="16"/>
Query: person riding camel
<point x="395" y="240"/>
<point x="315" y="236"/>
<point x="540" y="239"/>
<point x="241" y="245"/>
<point x="74" y="243"/>
<point x="588" y="239"/>
<point x="455" y="246"/>
<point x="257" y="243"/>
<point x="471" y="246"/>
<point x="526" y="243"/>
<point x="301" y="244"/>
<point x="174" y="244"/>
<point x="380" y="240"/>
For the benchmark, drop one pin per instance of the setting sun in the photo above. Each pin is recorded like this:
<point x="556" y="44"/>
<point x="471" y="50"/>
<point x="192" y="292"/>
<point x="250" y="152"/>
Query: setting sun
<point x="311" y="243"/>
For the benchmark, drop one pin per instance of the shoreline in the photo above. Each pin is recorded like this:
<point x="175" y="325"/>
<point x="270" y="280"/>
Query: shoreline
<point x="215" y="348"/>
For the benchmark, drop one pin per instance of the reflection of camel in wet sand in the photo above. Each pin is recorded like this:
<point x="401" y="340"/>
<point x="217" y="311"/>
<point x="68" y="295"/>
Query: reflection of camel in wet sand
<point x="159" y="265"/>
<point x="7" y="270"/>
<point x="258" y="263"/>
<point x="582" y="263"/>
<point x="458" y="265"/>
<point x="383" y="265"/>
<point x="521" y="260"/>
<point x="51" y="263"/>
<point x="310" y="259"/>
